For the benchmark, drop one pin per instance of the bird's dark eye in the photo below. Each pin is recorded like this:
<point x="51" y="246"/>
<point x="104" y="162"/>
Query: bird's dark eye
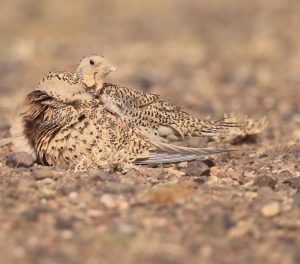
<point x="92" y="62"/>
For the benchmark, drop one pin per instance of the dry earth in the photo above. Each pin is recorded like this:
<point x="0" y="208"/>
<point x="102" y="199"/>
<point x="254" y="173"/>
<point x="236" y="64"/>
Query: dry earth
<point x="210" y="57"/>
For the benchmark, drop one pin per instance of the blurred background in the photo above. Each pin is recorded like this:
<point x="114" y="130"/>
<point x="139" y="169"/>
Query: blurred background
<point x="208" y="56"/>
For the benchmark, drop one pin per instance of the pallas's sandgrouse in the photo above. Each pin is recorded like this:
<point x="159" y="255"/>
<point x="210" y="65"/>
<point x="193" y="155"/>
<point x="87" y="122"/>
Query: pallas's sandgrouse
<point x="61" y="123"/>
<point x="158" y="119"/>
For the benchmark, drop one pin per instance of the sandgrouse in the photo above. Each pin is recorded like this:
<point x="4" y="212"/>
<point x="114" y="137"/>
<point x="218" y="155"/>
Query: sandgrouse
<point x="61" y="123"/>
<point x="156" y="118"/>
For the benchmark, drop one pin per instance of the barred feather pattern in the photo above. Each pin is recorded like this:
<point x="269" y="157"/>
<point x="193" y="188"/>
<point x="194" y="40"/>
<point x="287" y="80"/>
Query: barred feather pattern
<point x="156" y="118"/>
<point x="62" y="134"/>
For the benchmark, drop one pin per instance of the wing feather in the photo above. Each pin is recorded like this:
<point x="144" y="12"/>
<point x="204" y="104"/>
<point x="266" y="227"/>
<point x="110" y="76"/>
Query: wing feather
<point x="168" y="153"/>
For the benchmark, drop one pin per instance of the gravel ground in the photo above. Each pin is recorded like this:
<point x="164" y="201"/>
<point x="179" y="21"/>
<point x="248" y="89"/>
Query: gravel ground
<point x="211" y="57"/>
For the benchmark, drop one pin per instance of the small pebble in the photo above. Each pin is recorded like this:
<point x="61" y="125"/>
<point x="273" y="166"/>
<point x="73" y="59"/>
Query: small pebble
<point x="182" y="164"/>
<point x="19" y="159"/>
<point x="114" y="202"/>
<point x="266" y="181"/>
<point x="123" y="205"/>
<point x="108" y="201"/>
<point x="250" y="195"/>
<point x="296" y="200"/>
<point x="94" y="213"/>
<point x="196" y="168"/>
<point x="270" y="209"/>
<point x="73" y="196"/>
<point x="285" y="174"/>
<point x="294" y="183"/>
<point x="43" y="174"/>
<point x="66" y="234"/>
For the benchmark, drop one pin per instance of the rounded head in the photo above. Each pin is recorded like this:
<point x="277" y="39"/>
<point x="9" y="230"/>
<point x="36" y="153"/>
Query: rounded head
<point x="93" y="69"/>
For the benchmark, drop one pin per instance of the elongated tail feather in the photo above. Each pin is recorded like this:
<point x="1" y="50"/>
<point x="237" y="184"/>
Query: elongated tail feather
<point x="168" y="153"/>
<point x="164" y="158"/>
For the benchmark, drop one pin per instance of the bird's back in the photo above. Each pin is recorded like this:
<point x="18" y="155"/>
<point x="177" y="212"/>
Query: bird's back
<point x="158" y="119"/>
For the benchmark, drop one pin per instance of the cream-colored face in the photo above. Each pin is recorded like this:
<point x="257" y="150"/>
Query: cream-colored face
<point x="93" y="69"/>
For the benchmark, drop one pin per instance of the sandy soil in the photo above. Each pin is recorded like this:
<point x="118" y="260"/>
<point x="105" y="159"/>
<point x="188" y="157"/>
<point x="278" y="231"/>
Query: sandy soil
<point x="211" y="57"/>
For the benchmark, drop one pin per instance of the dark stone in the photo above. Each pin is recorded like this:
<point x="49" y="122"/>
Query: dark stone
<point x="67" y="188"/>
<point x="218" y="223"/>
<point x="285" y="174"/>
<point x="19" y="159"/>
<point x="64" y="222"/>
<point x="294" y="183"/>
<point x="209" y="163"/>
<point x="296" y="198"/>
<point x="248" y="139"/>
<point x="200" y="180"/>
<point x="32" y="215"/>
<point x="266" y="181"/>
<point x="197" y="168"/>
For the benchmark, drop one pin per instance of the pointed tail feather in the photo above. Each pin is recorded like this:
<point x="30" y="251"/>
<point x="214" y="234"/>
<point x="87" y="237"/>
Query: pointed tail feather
<point x="163" y="158"/>
<point x="170" y="148"/>
<point x="248" y="127"/>
<point x="218" y="128"/>
<point x="167" y="153"/>
<point x="225" y="121"/>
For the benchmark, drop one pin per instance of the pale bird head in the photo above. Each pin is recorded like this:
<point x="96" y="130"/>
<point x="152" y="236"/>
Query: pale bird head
<point x="93" y="69"/>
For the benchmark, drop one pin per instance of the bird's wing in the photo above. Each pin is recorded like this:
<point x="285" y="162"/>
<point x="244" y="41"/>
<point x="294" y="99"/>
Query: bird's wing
<point x="63" y="87"/>
<point x="153" y="115"/>
<point x="128" y="97"/>
<point x="168" y="153"/>
<point x="38" y="110"/>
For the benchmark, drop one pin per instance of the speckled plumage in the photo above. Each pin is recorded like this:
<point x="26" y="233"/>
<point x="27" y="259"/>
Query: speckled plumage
<point x="158" y="119"/>
<point x="89" y="137"/>
<point x="63" y="124"/>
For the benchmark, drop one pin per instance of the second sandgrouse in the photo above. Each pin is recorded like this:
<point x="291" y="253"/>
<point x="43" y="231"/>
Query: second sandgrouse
<point x="156" y="118"/>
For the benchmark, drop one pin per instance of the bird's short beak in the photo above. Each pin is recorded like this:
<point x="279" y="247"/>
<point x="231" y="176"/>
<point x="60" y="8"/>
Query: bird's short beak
<point x="112" y="69"/>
